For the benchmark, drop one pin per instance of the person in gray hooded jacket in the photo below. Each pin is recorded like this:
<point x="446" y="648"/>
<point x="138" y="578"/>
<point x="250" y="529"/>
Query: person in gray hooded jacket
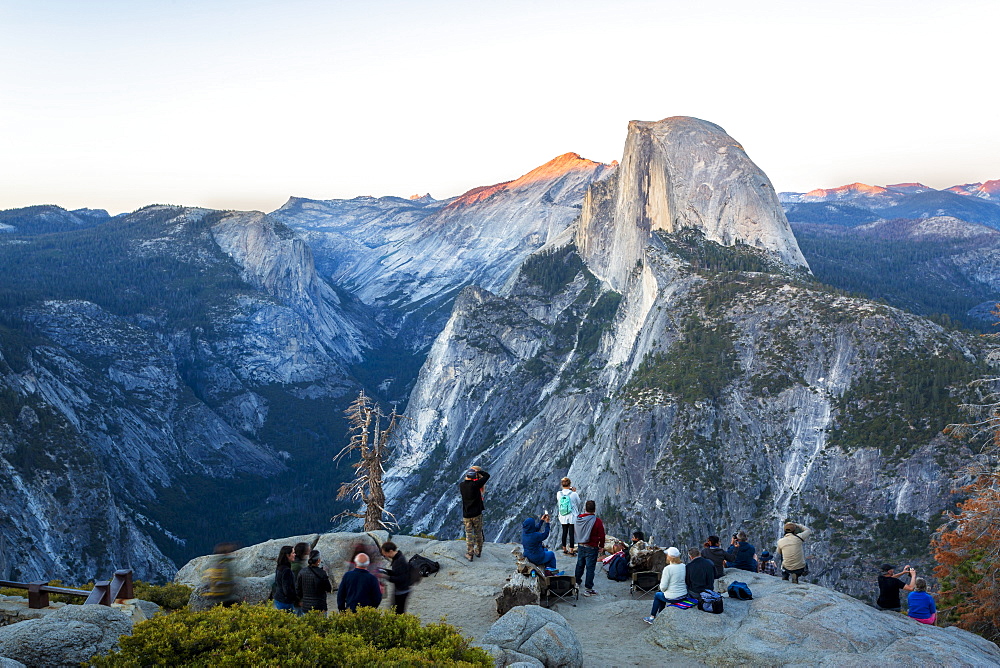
<point x="590" y="540"/>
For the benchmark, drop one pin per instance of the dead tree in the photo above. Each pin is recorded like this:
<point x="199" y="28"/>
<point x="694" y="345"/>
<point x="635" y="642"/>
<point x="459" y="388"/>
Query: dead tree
<point x="372" y="441"/>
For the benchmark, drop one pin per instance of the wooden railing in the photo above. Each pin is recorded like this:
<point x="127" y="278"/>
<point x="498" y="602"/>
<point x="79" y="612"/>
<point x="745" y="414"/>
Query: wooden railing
<point x="105" y="592"/>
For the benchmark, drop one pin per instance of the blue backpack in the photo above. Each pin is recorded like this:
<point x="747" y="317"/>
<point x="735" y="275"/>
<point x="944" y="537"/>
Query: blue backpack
<point x="740" y="590"/>
<point x="618" y="569"/>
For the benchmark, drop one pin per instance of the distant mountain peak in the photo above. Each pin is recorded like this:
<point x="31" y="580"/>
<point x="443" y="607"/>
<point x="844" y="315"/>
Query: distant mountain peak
<point x="848" y="190"/>
<point x="426" y="197"/>
<point x="554" y="169"/>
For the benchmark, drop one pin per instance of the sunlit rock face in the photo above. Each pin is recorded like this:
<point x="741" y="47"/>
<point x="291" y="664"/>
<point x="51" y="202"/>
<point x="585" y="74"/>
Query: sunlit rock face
<point x="411" y="257"/>
<point x="681" y="173"/>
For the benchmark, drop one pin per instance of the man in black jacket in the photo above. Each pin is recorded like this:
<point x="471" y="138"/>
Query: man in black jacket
<point x="313" y="584"/>
<point x="399" y="575"/>
<point x="699" y="575"/>
<point x="472" y="510"/>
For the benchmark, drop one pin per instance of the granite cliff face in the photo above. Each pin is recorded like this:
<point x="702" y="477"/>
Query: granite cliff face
<point x="159" y="385"/>
<point x="409" y="258"/>
<point x="698" y="386"/>
<point x="680" y="173"/>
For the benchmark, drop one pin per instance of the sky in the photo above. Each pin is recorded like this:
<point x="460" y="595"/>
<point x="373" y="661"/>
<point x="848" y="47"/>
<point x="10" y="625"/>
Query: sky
<point x="241" y="104"/>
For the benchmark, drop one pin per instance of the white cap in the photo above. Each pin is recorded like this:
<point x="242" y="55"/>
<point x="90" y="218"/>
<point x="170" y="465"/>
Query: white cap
<point x="673" y="552"/>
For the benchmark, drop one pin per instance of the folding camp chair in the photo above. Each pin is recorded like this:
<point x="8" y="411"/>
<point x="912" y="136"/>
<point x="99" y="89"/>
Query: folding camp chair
<point x="561" y="588"/>
<point x="644" y="582"/>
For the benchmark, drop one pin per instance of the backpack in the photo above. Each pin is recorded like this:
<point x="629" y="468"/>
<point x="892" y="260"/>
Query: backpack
<point x="565" y="504"/>
<point x="618" y="569"/>
<point x="740" y="590"/>
<point x="423" y="565"/>
<point x="710" y="601"/>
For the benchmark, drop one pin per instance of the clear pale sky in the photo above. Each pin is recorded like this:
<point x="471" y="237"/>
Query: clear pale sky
<point x="240" y="104"/>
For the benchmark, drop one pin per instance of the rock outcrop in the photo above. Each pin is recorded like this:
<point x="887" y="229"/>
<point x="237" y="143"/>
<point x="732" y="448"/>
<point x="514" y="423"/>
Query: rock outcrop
<point x="680" y="173"/>
<point x="533" y="635"/>
<point x="68" y="637"/>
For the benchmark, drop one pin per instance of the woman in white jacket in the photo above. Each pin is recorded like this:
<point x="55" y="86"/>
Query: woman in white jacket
<point x="567" y="499"/>
<point x="673" y="586"/>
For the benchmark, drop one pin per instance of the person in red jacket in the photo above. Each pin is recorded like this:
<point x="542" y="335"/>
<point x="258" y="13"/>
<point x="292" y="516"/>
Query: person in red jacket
<point x="589" y="542"/>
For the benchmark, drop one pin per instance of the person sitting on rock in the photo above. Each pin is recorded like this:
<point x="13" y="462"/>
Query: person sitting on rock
<point x="673" y="585"/>
<point x="766" y="564"/>
<point x="714" y="553"/>
<point x="699" y="574"/>
<point x="568" y="505"/>
<point x="920" y="604"/>
<point x="741" y="553"/>
<point x="313" y="585"/>
<point x="791" y="549"/>
<point x="889" y="586"/>
<point x="359" y="587"/>
<point x="533" y="535"/>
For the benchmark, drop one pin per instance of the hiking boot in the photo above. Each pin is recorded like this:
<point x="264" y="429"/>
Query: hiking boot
<point x="648" y="620"/>
<point x="590" y="592"/>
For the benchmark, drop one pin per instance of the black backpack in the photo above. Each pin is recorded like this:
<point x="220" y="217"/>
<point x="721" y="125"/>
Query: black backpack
<point x="424" y="566"/>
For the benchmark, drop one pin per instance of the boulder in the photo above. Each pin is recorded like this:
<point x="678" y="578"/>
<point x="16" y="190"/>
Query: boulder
<point x="254" y="561"/>
<point x="536" y="632"/>
<point x="10" y="663"/>
<point x="246" y="590"/>
<point x="805" y="624"/>
<point x="67" y="637"/>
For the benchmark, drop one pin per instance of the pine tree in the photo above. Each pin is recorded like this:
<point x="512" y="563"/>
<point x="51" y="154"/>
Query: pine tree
<point x="967" y="546"/>
<point x="372" y="441"/>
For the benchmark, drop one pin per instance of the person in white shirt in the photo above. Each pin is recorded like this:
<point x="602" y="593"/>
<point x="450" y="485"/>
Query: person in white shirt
<point x="568" y="505"/>
<point x="673" y="585"/>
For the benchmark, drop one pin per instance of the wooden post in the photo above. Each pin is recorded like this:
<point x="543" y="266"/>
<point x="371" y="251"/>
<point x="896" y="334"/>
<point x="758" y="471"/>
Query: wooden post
<point x="37" y="598"/>
<point x="519" y="590"/>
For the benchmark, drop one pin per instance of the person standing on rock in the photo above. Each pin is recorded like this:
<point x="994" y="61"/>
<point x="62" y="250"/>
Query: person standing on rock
<point x="358" y="587"/>
<point x="285" y="595"/>
<point x="741" y="553"/>
<point x="889" y="586"/>
<point x="472" y="510"/>
<point x="533" y="535"/>
<point x="699" y="574"/>
<point x="713" y="551"/>
<point x="568" y="503"/>
<point x="673" y="584"/>
<point x="313" y="585"/>
<point x="791" y="549"/>
<point x="590" y="537"/>
<point x="219" y="577"/>
<point x="399" y="575"/>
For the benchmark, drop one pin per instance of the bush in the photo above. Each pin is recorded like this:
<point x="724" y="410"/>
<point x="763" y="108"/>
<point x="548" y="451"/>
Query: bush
<point x="260" y="636"/>
<point x="171" y="596"/>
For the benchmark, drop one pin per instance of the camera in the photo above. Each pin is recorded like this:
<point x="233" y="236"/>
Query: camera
<point x="735" y="536"/>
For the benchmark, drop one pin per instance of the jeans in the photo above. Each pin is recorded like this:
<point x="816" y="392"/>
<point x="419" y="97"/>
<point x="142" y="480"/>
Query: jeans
<point x="399" y="603"/>
<point x="660" y="601"/>
<point x="278" y="605"/>
<point x="586" y="556"/>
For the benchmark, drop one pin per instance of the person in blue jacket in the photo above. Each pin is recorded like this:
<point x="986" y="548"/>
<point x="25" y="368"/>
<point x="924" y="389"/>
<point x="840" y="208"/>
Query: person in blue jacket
<point x="533" y="535"/>
<point x="741" y="553"/>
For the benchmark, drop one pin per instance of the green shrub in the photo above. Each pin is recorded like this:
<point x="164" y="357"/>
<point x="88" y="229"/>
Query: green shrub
<point x="171" y="596"/>
<point x="262" y="636"/>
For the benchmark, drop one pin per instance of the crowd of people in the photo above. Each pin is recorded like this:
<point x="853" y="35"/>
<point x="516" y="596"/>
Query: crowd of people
<point x="302" y="583"/>
<point x="583" y="536"/>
